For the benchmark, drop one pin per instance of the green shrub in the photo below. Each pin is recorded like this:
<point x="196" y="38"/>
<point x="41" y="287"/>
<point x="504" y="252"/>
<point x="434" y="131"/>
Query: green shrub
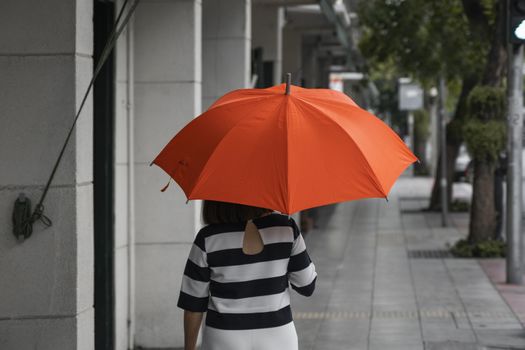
<point x="484" y="129"/>
<point x="485" y="140"/>
<point x="490" y="249"/>
<point x="484" y="249"/>
<point x="459" y="206"/>
<point x="462" y="249"/>
<point x="487" y="103"/>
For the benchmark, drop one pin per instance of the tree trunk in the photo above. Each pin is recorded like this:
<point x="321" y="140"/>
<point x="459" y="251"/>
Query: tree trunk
<point x="420" y="151"/>
<point x="482" y="214"/>
<point x="496" y="67"/>
<point x="454" y="140"/>
<point x="483" y="223"/>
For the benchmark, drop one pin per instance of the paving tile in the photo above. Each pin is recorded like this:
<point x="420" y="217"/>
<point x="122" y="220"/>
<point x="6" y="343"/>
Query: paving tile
<point x="451" y="345"/>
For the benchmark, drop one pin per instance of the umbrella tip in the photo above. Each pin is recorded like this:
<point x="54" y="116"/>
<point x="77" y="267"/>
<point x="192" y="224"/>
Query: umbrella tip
<point x="163" y="189"/>
<point x="288" y="83"/>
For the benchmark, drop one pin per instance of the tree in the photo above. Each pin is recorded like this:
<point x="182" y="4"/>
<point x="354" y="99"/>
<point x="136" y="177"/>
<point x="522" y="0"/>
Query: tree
<point x="485" y="138"/>
<point x="425" y="39"/>
<point x="485" y="130"/>
<point x="421" y="38"/>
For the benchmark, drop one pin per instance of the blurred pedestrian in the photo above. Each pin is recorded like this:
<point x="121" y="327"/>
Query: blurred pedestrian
<point x="238" y="271"/>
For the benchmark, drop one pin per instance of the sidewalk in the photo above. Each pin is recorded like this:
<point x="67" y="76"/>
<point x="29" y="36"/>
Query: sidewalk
<point x="386" y="282"/>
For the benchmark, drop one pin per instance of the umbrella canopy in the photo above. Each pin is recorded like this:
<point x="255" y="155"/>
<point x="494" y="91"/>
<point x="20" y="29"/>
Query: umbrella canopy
<point x="286" y="152"/>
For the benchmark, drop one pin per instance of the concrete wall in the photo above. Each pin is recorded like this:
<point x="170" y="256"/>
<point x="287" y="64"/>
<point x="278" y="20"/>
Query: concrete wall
<point x="167" y="95"/>
<point x="46" y="294"/>
<point x="226" y="44"/>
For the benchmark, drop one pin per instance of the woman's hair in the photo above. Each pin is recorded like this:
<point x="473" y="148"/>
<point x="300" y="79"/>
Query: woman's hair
<point x="214" y="212"/>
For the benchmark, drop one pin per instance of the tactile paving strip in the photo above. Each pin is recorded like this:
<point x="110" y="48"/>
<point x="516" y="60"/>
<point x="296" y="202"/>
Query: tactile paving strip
<point x="429" y="254"/>
<point x="405" y="315"/>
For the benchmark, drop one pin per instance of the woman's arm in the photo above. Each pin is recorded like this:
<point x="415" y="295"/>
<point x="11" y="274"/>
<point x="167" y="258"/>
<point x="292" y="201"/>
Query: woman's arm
<point x="192" y="323"/>
<point x="301" y="269"/>
<point x="194" y="292"/>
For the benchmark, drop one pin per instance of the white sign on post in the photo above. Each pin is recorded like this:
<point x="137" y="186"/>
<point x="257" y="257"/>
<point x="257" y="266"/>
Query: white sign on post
<point x="410" y="97"/>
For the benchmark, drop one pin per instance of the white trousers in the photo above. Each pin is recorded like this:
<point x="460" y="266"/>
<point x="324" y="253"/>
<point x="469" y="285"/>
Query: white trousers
<point x="282" y="337"/>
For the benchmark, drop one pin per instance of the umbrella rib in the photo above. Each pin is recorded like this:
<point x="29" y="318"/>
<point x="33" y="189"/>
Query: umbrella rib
<point x="286" y="105"/>
<point x="347" y="102"/>
<point x="344" y="104"/>
<point x="246" y="99"/>
<point x="370" y="172"/>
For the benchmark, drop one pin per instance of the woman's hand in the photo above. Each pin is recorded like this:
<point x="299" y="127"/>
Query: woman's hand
<point x="192" y="324"/>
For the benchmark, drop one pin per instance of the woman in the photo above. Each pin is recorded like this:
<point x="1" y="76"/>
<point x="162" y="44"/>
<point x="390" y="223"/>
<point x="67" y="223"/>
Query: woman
<point x="238" y="271"/>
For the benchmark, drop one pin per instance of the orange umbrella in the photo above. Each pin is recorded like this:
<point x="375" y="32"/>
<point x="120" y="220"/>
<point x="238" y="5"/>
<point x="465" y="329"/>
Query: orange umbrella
<point x="287" y="152"/>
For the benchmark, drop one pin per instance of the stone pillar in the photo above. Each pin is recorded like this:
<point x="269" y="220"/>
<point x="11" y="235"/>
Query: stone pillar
<point x="292" y="53"/>
<point x="46" y="293"/>
<point x="323" y="71"/>
<point x="310" y="62"/>
<point x="167" y="94"/>
<point x="267" y="32"/>
<point x="226" y="42"/>
<point x="124" y="190"/>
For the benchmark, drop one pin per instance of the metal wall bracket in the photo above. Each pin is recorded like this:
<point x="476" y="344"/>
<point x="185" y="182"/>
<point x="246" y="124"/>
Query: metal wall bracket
<point x="23" y="218"/>
<point x="22" y="225"/>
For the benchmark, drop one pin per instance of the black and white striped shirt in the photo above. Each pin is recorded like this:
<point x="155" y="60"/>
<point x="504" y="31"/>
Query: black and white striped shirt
<point x="241" y="291"/>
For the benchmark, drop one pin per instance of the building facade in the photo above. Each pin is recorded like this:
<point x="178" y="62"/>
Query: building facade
<point x="106" y="274"/>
